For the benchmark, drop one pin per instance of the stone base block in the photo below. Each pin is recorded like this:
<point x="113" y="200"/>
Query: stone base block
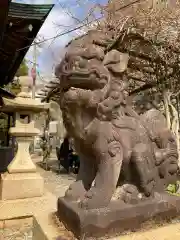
<point x="117" y="218"/>
<point x="20" y="186"/>
<point x="28" y="207"/>
<point x="37" y="212"/>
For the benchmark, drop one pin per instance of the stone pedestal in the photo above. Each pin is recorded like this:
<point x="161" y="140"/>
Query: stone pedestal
<point x="21" y="185"/>
<point x="22" y="161"/>
<point x="118" y="218"/>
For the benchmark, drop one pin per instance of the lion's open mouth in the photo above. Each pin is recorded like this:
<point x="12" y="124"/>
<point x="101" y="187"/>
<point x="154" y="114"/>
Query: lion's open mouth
<point x="84" y="80"/>
<point x="89" y="79"/>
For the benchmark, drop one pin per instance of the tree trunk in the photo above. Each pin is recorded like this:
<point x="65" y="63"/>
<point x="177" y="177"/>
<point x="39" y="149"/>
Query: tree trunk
<point x="166" y="96"/>
<point x="175" y="127"/>
<point x="172" y="119"/>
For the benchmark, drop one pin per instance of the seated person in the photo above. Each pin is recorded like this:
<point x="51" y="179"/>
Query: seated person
<point x="65" y="149"/>
<point x="66" y="155"/>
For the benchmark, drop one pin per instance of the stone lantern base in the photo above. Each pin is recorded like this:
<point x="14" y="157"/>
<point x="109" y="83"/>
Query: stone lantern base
<point x="21" y="185"/>
<point x="22" y="180"/>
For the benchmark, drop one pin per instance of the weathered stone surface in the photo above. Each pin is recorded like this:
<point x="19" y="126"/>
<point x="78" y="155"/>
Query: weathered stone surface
<point x="116" y="218"/>
<point x="21" y="185"/>
<point x="28" y="207"/>
<point x="23" y="222"/>
<point x="118" y="148"/>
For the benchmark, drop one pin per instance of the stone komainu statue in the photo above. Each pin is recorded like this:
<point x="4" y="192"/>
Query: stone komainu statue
<point x="117" y="147"/>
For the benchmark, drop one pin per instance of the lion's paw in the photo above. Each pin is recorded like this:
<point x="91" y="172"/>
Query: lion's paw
<point x="75" y="192"/>
<point x="90" y="203"/>
<point x="94" y="199"/>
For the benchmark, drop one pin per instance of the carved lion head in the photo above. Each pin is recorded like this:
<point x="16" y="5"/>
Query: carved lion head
<point x="88" y="64"/>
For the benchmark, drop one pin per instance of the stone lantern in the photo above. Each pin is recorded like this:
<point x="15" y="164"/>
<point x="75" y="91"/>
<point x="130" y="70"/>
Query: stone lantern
<point x="22" y="180"/>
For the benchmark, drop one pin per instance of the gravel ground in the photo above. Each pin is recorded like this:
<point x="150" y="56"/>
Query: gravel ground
<point x="16" y="233"/>
<point x="55" y="182"/>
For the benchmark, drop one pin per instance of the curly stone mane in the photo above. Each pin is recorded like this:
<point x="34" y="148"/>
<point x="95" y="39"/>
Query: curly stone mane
<point x="117" y="147"/>
<point x="106" y="72"/>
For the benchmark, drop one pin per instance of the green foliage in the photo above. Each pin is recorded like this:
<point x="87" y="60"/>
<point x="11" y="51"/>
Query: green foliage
<point x="23" y="69"/>
<point x="14" y="86"/>
<point x="173" y="188"/>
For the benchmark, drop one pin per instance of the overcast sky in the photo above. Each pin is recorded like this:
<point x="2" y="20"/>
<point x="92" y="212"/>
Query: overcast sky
<point x="49" y="52"/>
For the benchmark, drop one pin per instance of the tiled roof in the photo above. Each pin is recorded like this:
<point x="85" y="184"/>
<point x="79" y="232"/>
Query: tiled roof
<point x="36" y="11"/>
<point x="15" y="35"/>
